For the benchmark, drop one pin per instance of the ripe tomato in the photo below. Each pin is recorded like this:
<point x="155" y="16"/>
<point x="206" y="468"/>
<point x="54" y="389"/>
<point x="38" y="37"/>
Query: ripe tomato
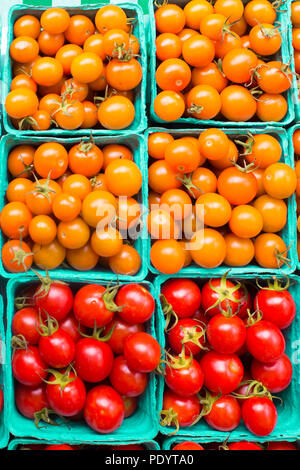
<point x="173" y="74"/>
<point x="70" y="114"/>
<point x="137" y="303"/>
<point x="187" y="332"/>
<point x="55" y="298"/>
<point x="208" y="248"/>
<point x="185" y="380"/>
<point x="226" y="335"/>
<point x="229" y="42"/>
<point x="209" y="75"/>
<point x="90" y="115"/>
<point x="51" y="160"/>
<point x="89" y="308"/>
<point x="86" y="67"/>
<point x="182" y="156"/>
<point x="184" y="295"/>
<point x="93" y="360"/>
<point x="86" y="159"/>
<point x="237" y="103"/>
<point x="169" y="19"/>
<point x="238" y="65"/>
<point x="15" y="218"/>
<point x="142" y="352"/>
<point x="265" y="39"/>
<point x="274" y="77"/>
<point x="273" y="211"/>
<point x="95" y="43"/>
<point x="188" y="445"/>
<point x="167" y="256"/>
<point x="263" y="150"/>
<point x="259" y="12"/>
<point x="28" y="366"/>
<point x="56" y="348"/>
<point x="239" y="251"/>
<point x="162" y="177"/>
<point x="213" y="144"/>
<point x="125" y="380"/>
<point x="42" y="229"/>
<point x="71" y="326"/>
<point x="203" y="102"/>
<point x="179" y="411"/>
<point x="79" y="29"/>
<point x="270" y="251"/>
<point x="107" y="242"/>
<point x="246" y="221"/>
<point x="23" y="81"/>
<point x="40" y="199"/>
<point x="238" y="187"/>
<point x="124" y="76"/>
<point x="110" y="17"/>
<point x="55" y="20"/>
<point x="191" y="48"/>
<point x="78" y="185"/>
<point x="168" y="46"/>
<point x="243" y="445"/>
<point x="216" y="210"/>
<point x="280" y="180"/>
<point x="98" y="208"/>
<point x="169" y="105"/>
<point x="225" y="414"/>
<point x="259" y="415"/>
<point x="25" y="323"/>
<point x="104" y="409"/>
<point x="27" y="25"/>
<point x="281" y="445"/>
<point x="47" y="71"/>
<point x="161" y="225"/>
<point x="277" y="306"/>
<point x="123" y="177"/>
<point x="66" y="207"/>
<point x="24" y="49"/>
<point x="121" y="331"/>
<point x="17" y="189"/>
<point x="30" y="400"/>
<point x="116" y="112"/>
<point x="21" y="102"/>
<point x="66" y="54"/>
<point x="271" y="107"/>
<point x="232" y="9"/>
<point x="222" y="372"/>
<point x="49" y="44"/>
<point x="19" y="162"/>
<point x="114" y="151"/>
<point x="275" y="376"/>
<point x="195" y="11"/>
<point x="68" y="400"/>
<point x="265" y="341"/>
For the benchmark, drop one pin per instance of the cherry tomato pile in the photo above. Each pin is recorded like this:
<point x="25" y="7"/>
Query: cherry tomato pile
<point x="225" y="354"/>
<point x="57" y="447"/>
<point x="82" y="355"/>
<point x="295" y="17"/>
<point x="74" y="72"/>
<point x="217" y="199"/>
<point x="296" y="145"/>
<point x="71" y="204"/>
<point x="243" y="445"/>
<point x="220" y="61"/>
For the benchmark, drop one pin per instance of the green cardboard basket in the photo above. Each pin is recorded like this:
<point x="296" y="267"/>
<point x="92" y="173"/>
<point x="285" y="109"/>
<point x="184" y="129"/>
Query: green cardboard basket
<point x="283" y="18"/>
<point x="135" y="143"/>
<point x="4" y="433"/>
<point x="288" y="233"/>
<point x="141" y="426"/>
<point x="288" y="425"/>
<point x="132" y="10"/>
<point x="15" y="443"/>
<point x="291" y="131"/>
<point x="171" y="441"/>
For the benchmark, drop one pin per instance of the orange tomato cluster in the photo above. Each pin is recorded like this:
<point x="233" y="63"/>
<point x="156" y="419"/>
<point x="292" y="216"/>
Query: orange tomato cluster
<point x="215" y="60"/>
<point x="67" y="205"/>
<point x="295" y="10"/>
<point x="296" y="144"/>
<point x="215" y="200"/>
<point x="73" y="73"/>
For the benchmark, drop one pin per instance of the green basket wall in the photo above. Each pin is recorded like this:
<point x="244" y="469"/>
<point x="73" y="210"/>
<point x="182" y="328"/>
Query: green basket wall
<point x="15" y="443"/>
<point x="142" y="426"/>
<point x="133" y="11"/>
<point x="4" y="434"/>
<point x="171" y="441"/>
<point x="291" y="131"/>
<point x="135" y="143"/>
<point x="283" y="17"/>
<point x="288" y="425"/>
<point x="288" y="233"/>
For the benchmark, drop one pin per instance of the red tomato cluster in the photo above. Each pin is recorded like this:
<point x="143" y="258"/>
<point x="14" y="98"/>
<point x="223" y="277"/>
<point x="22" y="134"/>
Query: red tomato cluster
<point x="215" y="199"/>
<point x="242" y="445"/>
<point x="58" y="447"/>
<point x="76" y="204"/>
<point x="72" y="72"/>
<point x="218" y="60"/>
<point x="82" y="356"/>
<point x="207" y="374"/>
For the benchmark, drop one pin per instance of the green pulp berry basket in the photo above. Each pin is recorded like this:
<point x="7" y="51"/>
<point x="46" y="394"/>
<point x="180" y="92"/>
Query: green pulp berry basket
<point x="289" y="231"/>
<point x="135" y="143"/>
<point x="144" y="419"/>
<point x="132" y="11"/>
<point x="4" y="433"/>
<point x="283" y="17"/>
<point x="288" y="426"/>
<point x="15" y="443"/>
<point x="172" y="441"/>
<point x="291" y="131"/>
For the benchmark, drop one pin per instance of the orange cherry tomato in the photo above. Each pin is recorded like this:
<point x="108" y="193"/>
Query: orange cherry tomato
<point x="50" y="103"/>
<point x="51" y="160"/>
<point x="167" y="256"/>
<point x="182" y="156"/>
<point x="231" y="9"/>
<point x="271" y="107"/>
<point x="24" y="49"/>
<point x="265" y="39"/>
<point x="123" y="177"/>
<point x="208" y="248"/>
<point x="161" y="224"/>
<point x="169" y="19"/>
<point x="169" y="105"/>
<point x="259" y="12"/>
<point x="116" y="112"/>
<point x="296" y="141"/>
<point x="49" y="256"/>
<point x="15" y="218"/>
<point x="99" y="208"/>
<point x="270" y="251"/>
<point x="95" y="44"/>
<point x="110" y="17"/>
<point x="173" y="74"/>
<point x="263" y="150"/>
<point x="55" y="20"/>
<point x="40" y="121"/>
<point x="86" y="67"/>
<point x="127" y="262"/>
<point x="16" y="256"/>
<point x="47" y="71"/>
<point x="128" y="213"/>
<point x="162" y="177"/>
<point x="239" y="251"/>
<point x="229" y="42"/>
<point x="90" y="115"/>
<point x="198" y="51"/>
<point x="280" y="180"/>
<point x="21" y="102"/>
<point x="209" y="75"/>
<point x="79" y="29"/>
<point x="70" y="115"/>
<point x="99" y="182"/>
<point x="20" y="159"/>
<point x="66" y="207"/>
<point x="195" y="11"/>
<point x="238" y="187"/>
<point x="115" y="151"/>
<point x="216" y="209"/>
<point x="78" y="185"/>
<point x="273" y="212"/>
<point x="40" y="199"/>
<point x="214" y="144"/>
<point x="42" y="229"/>
<point x="177" y="202"/>
<point x="203" y="102"/>
<point x="75" y="90"/>
<point x="237" y="103"/>
<point x="50" y="44"/>
<point x="82" y="259"/>
<point x="17" y="189"/>
<point x="73" y="234"/>
<point x="66" y="54"/>
<point x="201" y="181"/>
<point x="23" y="81"/>
<point x="124" y="76"/>
<point x="85" y="158"/>
<point x="27" y="25"/>
<point x="238" y="65"/>
<point x="259" y="174"/>
<point x="116" y="43"/>
<point x="246" y="221"/>
<point x="107" y="242"/>
<point x="228" y="160"/>
<point x="157" y="143"/>
<point x="168" y="46"/>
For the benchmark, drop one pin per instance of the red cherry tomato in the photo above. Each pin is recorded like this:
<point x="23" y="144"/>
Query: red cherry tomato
<point x="24" y="323"/>
<point x="277" y="307"/>
<point x="30" y="400"/>
<point x="28" y="367"/>
<point x="259" y="415"/>
<point x="265" y="342"/>
<point x="89" y="307"/>
<point x="226" y="335"/>
<point x="225" y="414"/>
<point x="186" y="409"/>
<point x="221" y="294"/>
<point x="187" y="332"/>
<point x="57" y="349"/>
<point x="56" y="299"/>
<point x="137" y="302"/>
<point x="275" y="376"/>
<point x="142" y="352"/>
<point x="121" y="331"/>
<point x="184" y="381"/>
<point x="93" y="360"/>
<point x="104" y="409"/>
<point x="222" y="372"/>
<point x="69" y="400"/>
<point x="184" y="295"/>
<point x="125" y="380"/>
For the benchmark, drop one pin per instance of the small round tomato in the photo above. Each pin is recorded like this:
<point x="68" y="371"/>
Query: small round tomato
<point x="86" y="67"/>
<point x="107" y="242"/>
<point x="259" y="12"/>
<point x="114" y="151"/>
<point x="49" y="256"/>
<point x="184" y="295"/>
<point x="79" y="29"/>
<point x="273" y="212"/>
<point x="167" y="256"/>
<point x="30" y="400"/>
<point x="271" y="107"/>
<point x="265" y="342"/>
<point x="168" y="46"/>
<point x="126" y="262"/>
<point x="110" y="17"/>
<point x="216" y="210"/>
<point x="51" y="160"/>
<point x="237" y="103"/>
<point x="191" y="47"/>
<point x="142" y="352"/>
<point x="239" y="251"/>
<point x="66" y="54"/>
<point x="28" y="367"/>
<point x="73" y="234"/>
<point x="20" y="159"/>
<point x="209" y="75"/>
<point x="40" y="199"/>
<point x="123" y="177"/>
<point x="90" y="115"/>
<point x="86" y="159"/>
<point x="27" y="25"/>
<point x="277" y="306"/>
<point x="161" y="225"/>
<point x="270" y="251"/>
<point x="17" y="189"/>
<point x="280" y="180"/>
<point x="47" y="71"/>
<point x="231" y="9"/>
<point x="17" y="256"/>
<point x="23" y="81"/>
<point x="125" y="380"/>
<point x="66" y="207"/>
<point x="120" y="332"/>
<point x="179" y="411"/>
<point x="238" y="187"/>
<point x="116" y="112"/>
<point x="69" y="400"/>
<point x="21" y="102"/>
<point x="203" y="102"/>
<point x="169" y="105"/>
<point x="82" y="259"/>
<point x="238" y="65"/>
<point x="169" y="19"/>
<point x="104" y="409"/>
<point x="173" y="74"/>
<point x="95" y="43"/>
<point x="226" y="335"/>
<point x="275" y="376"/>
<point x="42" y="229"/>
<point x="24" y="49"/>
<point x="214" y="144"/>
<point x="188" y="445"/>
<point x="99" y="208"/>
<point x="208" y="248"/>
<point x="186" y="380"/>
<point x="14" y="219"/>
<point x="49" y="44"/>
<point x="55" y="20"/>
<point x="225" y="414"/>
<point x="70" y="114"/>
<point x="222" y="372"/>
<point x="265" y="39"/>
<point x="162" y="177"/>
<point x="259" y="415"/>
<point x="89" y="307"/>
<point x="93" y="360"/>
<point x="246" y="221"/>
<point x="137" y="303"/>
<point x="182" y="156"/>
<point x="78" y="185"/>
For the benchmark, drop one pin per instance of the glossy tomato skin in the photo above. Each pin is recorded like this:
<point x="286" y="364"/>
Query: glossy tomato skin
<point x="69" y="401"/>
<point x="71" y="326"/>
<point x="210" y="297"/>
<point x="28" y="367"/>
<point x="93" y="360"/>
<point x="24" y="323"/>
<point x="277" y="307"/>
<point x="104" y="409"/>
<point x="89" y="307"/>
<point x="183" y="333"/>
<point x="125" y="380"/>
<point x="265" y="342"/>
<point x="57" y="302"/>
<point x="184" y="295"/>
<point x="226" y="335"/>
<point x="281" y="445"/>
<point x="188" y="445"/>
<point x="187" y="408"/>
<point x="243" y="445"/>
<point x="142" y="352"/>
<point x="275" y="376"/>
<point x="138" y="304"/>
<point x="225" y="414"/>
<point x="259" y="415"/>
<point x="222" y="372"/>
<point x="186" y="381"/>
<point x="121" y="331"/>
<point x="57" y="447"/>
<point x="29" y="400"/>
<point x="58" y="349"/>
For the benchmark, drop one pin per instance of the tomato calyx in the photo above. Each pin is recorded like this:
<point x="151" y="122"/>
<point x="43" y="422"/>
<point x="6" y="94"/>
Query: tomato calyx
<point x="20" y="255"/>
<point x="226" y="28"/>
<point x="206" y="403"/>
<point x="108" y="297"/>
<point x="270" y="31"/>
<point x="254" y="389"/>
<point x="97" y="332"/>
<point x="45" y="416"/>
<point x="224" y="292"/>
<point x="85" y="147"/>
<point x="254" y="317"/>
<point x="219" y="63"/>
<point x="23" y="301"/>
<point x="61" y="378"/>
<point x="246" y="168"/>
<point x="64" y="105"/>
<point x="27" y="168"/>
<point x="194" y="335"/>
<point x="42" y="189"/>
<point x="19" y="342"/>
<point x="47" y="327"/>
<point x="281" y="257"/>
<point x="161" y="4"/>
<point x="275" y="284"/>
<point x="46" y="283"/>
<point x="178" y="362"/>
<point x="195" y="109"/>
<point x="70" y="89"/>
<point x="169" y="418"/>
<point x="186" y="180"/>
<point x="168" y="313"/>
